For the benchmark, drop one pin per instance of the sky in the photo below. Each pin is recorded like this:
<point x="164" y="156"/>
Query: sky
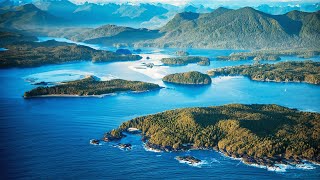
<point x="203" y="2"/>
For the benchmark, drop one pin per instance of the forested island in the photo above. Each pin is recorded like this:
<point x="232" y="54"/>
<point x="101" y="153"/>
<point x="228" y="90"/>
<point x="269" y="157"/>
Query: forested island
<point x="259" y="134"/>
<point x="31" y="54"/>
<point x="191" y="78"/>
<point x="182" y="53"/>
<point x="270" y="55"/>
<point x="306" y="71"/>
<point x="185" y="60"/>
<point x="91" y="86"/>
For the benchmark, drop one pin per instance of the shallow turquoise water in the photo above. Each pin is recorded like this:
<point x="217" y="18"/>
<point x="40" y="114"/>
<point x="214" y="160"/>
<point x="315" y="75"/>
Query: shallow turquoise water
<point x="49" y="137"/>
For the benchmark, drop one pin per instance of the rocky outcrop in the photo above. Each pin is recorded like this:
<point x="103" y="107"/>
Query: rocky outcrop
<point x="188" y="159"/>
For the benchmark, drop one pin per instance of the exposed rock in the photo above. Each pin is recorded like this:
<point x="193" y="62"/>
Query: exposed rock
<point x="125" y="146"/>
<point x="113" y="135"/>
<point x="188" y="159"/>
<point x="94" y="141"/>
<point x="149" y="65"/>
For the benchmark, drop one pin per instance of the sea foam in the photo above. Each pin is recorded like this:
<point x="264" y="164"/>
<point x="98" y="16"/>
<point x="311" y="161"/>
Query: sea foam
<point x="198" y="165"/>
<point x="151" y="149"/>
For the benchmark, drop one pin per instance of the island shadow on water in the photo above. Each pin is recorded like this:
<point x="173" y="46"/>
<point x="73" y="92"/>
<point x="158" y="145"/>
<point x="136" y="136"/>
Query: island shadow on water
<point x="188" y="89"/>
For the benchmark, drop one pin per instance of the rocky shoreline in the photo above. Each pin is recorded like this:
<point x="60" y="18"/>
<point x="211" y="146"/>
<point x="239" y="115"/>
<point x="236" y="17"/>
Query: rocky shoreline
<point x="188" y="159"/>
<point x="271" y="163"/>
<point x="261" y="135"/>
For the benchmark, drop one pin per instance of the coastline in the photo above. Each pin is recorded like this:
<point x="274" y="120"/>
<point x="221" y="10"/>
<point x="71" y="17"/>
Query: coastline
<point x="278" y="167"/>
<point x="87" y="96"/>
<point x="276" y="163"/>
<point x="260" y="80"/>
<point x="195" y="84"/>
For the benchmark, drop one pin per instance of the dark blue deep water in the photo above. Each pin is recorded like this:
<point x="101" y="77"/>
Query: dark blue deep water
<point x="48" y="138"/>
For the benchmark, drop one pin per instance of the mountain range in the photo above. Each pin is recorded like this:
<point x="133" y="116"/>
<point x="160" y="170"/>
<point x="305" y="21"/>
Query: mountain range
<point x="141" y="15"/>
<point x="28" y="16"/>
<point x="244" y="28"/>
<point x="240" y="29"/>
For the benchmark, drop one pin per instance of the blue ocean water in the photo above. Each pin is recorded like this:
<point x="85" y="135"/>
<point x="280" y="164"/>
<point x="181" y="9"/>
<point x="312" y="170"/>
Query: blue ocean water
<point x="48" y="138"/>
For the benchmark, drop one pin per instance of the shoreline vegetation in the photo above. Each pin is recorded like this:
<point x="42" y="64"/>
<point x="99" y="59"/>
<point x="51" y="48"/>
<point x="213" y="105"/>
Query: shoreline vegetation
<point x="90" y="87"/>
<point x="265" y="135"/>
<point x="270" y="55"/>
<point x="33" y="54"/>
<point x="188" y="78"/>
<point x="295" y="71"/>
<point x="185" y="60"/>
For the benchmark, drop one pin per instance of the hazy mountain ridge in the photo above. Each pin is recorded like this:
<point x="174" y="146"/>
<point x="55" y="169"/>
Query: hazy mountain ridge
<point x="91" y="13"/>
<point x="240" y="29"/>
<point x="282" y="9"/>
<point x="148" y="15"/>
<point x="126" y="38"/>
<point x="244" y="28"/>
<point x="28" y="16"/>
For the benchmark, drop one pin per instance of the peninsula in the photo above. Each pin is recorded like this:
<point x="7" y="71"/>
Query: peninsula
<point x="306" y="71"/>
<point x="270" y="55"/>
<point x="31" y="54"/>
<point x="90" y="86"/>
<point x="259" y="134"/>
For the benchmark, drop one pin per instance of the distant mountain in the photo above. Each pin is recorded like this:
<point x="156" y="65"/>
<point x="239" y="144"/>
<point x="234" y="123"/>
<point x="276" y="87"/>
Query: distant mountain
<point x="103" y="31"/>
<point x="28" y="16"/>
<point x="118" y="36"/>
<point x="199" y="9"/>
<point x="59" y="8"/>
<point x="91" y="13"/>
<point x="283" y="9"/>
<point x="6" y="6"/>
<point x="240" y="29"/>
<point x="6" y="3"/>
<point x="140" y="15"/>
